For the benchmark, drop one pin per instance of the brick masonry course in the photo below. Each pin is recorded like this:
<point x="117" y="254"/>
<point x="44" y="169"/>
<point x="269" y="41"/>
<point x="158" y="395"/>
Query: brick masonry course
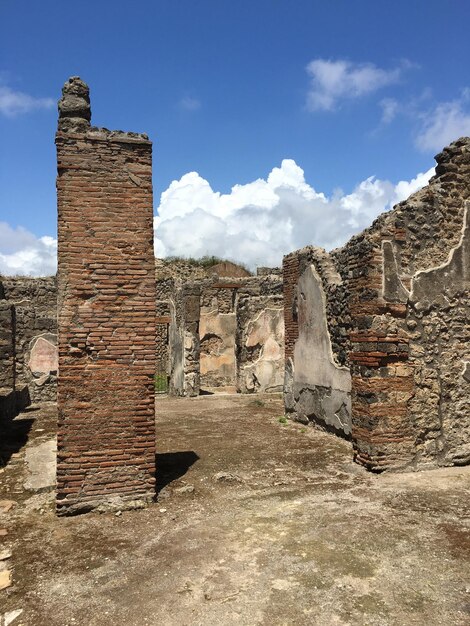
<point x="106" y="313"/>
<point x="398" y="317"/>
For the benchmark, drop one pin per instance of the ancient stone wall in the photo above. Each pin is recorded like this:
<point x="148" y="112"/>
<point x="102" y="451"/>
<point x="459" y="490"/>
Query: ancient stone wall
<point x="260" y="343"/>
<point x="398" y="315"/>
<point x="217" y="334"/>
<point x="165" y="289"/>
<point x="317" y="388"/>
<point x="184" y="340"/>
<point x="8" y="394"/>
<point x="7" y="345"/>
<point x="35" y="334"/>
<point x="227" y="269"/>
<point x="207" y="337"/>
<point x="226" y="360"/>
<point x="106" y="320"/>
<point x="410" y="310"/>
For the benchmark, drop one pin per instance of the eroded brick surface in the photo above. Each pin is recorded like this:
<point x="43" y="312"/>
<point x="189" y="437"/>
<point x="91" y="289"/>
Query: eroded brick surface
<point x="399" y="318"/>
<point x="106" y="284"/>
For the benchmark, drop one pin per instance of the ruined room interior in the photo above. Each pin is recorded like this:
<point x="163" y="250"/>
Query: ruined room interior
<point x="159" y="397"/>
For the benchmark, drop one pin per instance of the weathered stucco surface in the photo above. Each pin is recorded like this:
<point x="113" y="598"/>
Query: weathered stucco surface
<point x="440" y="338"/>
<point x="260" y="344"/>
<point x="218" y="354"/>
<point x="183" y="335"/>
<point x="399" y="318"/>
<point x="218" y="364"/>
<point x="30" y="304"/>
<point x="320" y="389"/>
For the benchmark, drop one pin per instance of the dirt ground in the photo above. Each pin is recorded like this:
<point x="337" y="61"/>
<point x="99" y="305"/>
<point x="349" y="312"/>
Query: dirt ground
<point x="257" y="523"/>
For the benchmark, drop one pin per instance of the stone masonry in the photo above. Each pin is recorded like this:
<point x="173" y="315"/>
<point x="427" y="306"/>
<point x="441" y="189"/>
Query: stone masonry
<point x="255" y="337"/>
<point x="184" y="340"/>
<point x="8" y="393"/>
<point x="106" y="312"/>
<point x="396" y="317"/>
<point x="260" y="343"/>
<point x="242" y="333"/>
<point x="226" y="329"/>
<point x="28" y="342"/>
<point x="317" y="387"/>
<point x="35" y="334"/>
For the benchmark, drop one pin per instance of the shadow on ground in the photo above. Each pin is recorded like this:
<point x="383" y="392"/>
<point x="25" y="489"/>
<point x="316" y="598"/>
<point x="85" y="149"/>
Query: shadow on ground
<point x="14" y="434"/>
<point x="173" y="465"/>
<point x="259" y="522"/>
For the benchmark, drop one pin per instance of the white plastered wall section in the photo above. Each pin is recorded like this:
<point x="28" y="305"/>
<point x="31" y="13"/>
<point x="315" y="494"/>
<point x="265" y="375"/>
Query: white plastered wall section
<point x="321" y="389"/>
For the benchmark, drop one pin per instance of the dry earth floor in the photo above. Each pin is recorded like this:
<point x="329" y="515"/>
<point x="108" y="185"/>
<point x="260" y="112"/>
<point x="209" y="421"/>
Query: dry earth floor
<point x="257" y="524"/>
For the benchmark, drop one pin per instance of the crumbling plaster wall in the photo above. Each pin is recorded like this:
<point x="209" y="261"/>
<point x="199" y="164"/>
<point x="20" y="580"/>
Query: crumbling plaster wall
<point x="439" y="324"/>
<point x="205" y="344"/>
<point x="35" y="334"/>
<point x="317" y="387"/>
<point x="184" y="348"/>
<point x="227" y="360"/>
<point x="399" y="318"/>
<point x="408" y="283"/>
<point x="260" y="344"/>
<point x="217" y="335"/>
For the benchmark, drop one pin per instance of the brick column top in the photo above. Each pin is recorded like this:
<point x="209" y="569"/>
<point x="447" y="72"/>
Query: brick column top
<point x="75" y="116"/>
<point x="74" y="106"/>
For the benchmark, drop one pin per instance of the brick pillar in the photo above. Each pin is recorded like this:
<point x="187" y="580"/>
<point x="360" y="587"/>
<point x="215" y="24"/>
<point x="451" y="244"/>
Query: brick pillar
<point x="291" y="275"/>
<point x="382" y="379"/>
<point x="106" y="312"/>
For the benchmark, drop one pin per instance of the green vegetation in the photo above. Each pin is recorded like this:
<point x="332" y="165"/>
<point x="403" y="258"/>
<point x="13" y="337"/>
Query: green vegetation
<point x="283" y="420"/>
<point x="205" y="262"/>
<point x="161" y="383"/>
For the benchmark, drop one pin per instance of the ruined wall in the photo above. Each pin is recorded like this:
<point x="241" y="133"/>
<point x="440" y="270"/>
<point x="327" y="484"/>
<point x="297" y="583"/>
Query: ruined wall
<point x="197" y="333"/>
<point x="164" y="288"/>
<point x="217" y="335"/>
<point x="226" y="359"/>
<point x="8" y="395"/>
<point x="35" y="334"/>
<point x="399" y="319"/>
<point x="207" y="337"/>
<point x="161" y="338"/>
<point x="106" y="304"/>
<point x="317" y="388"/>
<point x="260" y="344"/>
<point x="409" y="305"/>
<point x="227" y="269"/>
<point x="184" y="340"/>
<point x="439" y="324"/>
<point x="28" y="342"/>
<point x="7" y="345"/>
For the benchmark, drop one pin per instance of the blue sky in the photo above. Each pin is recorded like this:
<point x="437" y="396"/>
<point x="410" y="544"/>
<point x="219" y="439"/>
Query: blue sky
<point x="341" y="90"/>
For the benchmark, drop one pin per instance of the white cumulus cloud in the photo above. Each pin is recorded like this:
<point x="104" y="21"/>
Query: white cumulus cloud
<point x="255" y="224"/>
<point x="333" y="81"/>
<point x="21" y="252"/>
<point x="259" y="222"/>
<point x="444" y="123"/>
<point x="14" y="103"/>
